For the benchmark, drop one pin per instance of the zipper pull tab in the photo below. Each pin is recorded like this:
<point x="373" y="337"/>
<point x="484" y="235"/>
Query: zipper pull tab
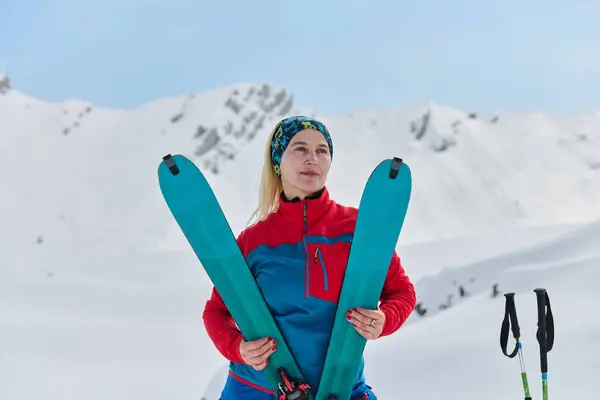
<point x="305" y="217"/>
<point x="316" y="257"/>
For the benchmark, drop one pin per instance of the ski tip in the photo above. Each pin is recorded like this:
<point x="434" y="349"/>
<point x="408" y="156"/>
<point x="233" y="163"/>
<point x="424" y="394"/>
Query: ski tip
<point x="395" y="168"/>
<point x="170" y="163"/>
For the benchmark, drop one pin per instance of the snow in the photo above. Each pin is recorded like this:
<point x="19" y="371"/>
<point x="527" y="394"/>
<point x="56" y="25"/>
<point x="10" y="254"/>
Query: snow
<point x="459" y="348"/>
<point x="101" y="297"/>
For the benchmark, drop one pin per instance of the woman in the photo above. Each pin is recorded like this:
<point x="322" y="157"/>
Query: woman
<point x="297" y="251"/>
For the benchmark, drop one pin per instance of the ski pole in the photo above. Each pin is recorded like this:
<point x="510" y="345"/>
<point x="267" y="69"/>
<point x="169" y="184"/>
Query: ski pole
<point x="545" y="335"/>
<point x="511" y="321"/>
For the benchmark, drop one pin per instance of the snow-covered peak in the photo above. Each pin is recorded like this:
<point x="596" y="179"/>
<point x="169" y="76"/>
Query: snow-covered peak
<point x="4" y="84"/>
<point x="84" y="165"/>
<point x="437" y="127"/>
<point x="245" y="111"/>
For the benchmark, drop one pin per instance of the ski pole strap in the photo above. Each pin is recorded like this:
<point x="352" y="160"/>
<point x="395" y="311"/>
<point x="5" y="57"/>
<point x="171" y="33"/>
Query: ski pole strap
<point x="545" y="331"/>
<point x="510" y="322"/>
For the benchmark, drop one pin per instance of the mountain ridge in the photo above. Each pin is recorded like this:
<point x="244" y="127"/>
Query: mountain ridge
<point x="471" y="174"/>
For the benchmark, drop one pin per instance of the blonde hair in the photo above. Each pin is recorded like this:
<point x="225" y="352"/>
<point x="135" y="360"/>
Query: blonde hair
<point x="270" y="186"/>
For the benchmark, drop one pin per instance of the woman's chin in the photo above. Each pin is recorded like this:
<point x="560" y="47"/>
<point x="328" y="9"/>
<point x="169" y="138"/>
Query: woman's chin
<point x="311" y="187"/>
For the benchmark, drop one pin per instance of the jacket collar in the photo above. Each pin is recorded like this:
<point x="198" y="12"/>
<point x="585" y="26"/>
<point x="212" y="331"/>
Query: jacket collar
<point x="315" y="206"/>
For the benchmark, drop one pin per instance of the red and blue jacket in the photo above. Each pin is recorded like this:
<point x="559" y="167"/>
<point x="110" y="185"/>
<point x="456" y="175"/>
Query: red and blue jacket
<point x="298" y="257"/>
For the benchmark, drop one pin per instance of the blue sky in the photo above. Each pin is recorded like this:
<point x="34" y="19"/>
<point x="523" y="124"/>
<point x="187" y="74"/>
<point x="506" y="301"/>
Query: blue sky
<point x="333" y="55"/>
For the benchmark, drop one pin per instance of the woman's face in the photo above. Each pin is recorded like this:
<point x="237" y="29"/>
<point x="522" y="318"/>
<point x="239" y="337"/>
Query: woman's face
<point x="305" y="164"/>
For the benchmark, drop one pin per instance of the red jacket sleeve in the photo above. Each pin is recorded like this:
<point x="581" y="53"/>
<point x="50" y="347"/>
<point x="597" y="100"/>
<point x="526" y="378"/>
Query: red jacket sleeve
<point x="221" y="328"/>
<point x="398" y="297"/>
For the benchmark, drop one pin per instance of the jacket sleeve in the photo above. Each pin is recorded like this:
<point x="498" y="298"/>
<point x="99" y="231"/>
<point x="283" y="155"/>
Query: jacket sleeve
<point x="221" y="328"/>
<point x="398" y="297"/>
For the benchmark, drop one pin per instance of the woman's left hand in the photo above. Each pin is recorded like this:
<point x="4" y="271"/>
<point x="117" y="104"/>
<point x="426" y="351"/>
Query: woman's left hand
<point x="368" y="323"/>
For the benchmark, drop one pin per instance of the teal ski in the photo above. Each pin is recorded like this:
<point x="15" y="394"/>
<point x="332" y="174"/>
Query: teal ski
<point x="381" y="214"/>
<point x="196" y="209"/>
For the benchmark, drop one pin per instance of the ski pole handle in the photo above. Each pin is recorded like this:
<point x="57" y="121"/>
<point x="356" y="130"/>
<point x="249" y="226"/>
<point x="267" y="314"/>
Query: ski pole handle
<point x="512" y="312"/>
<point x="510" y="322"/>
<point x="541" y="333"/>
<point x="545" y="334"/>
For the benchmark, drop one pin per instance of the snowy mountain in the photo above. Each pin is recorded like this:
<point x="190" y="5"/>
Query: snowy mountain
<point x="472" y="174"/>
<point x="475" y="174"/>
<point x="88" y="175"/>
<point x="100" y="295"/>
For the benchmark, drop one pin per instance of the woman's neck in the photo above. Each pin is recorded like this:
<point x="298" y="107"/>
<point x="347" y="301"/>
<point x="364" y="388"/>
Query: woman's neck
<point x="299" y="195"/>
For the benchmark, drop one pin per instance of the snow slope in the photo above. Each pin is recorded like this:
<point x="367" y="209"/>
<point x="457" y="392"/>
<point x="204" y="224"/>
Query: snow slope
<point x="477" y="174"/>
<point x="101" y="297"/>
<point x="459" y="348"/>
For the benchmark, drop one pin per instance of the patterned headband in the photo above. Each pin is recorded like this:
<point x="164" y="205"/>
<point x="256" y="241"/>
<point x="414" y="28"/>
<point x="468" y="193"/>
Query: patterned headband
<point x="285" y="131"/>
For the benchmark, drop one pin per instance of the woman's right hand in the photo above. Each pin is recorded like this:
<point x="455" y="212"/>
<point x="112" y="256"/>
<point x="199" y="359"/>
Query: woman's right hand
<point x="256" y="352"/>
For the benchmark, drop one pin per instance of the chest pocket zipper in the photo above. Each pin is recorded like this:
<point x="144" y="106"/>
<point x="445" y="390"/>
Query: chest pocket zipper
<point x="319" y="258"/>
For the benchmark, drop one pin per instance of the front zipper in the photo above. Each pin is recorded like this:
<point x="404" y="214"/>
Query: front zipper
<point x="319" y="258"/>
<point x="306" y="262"/>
